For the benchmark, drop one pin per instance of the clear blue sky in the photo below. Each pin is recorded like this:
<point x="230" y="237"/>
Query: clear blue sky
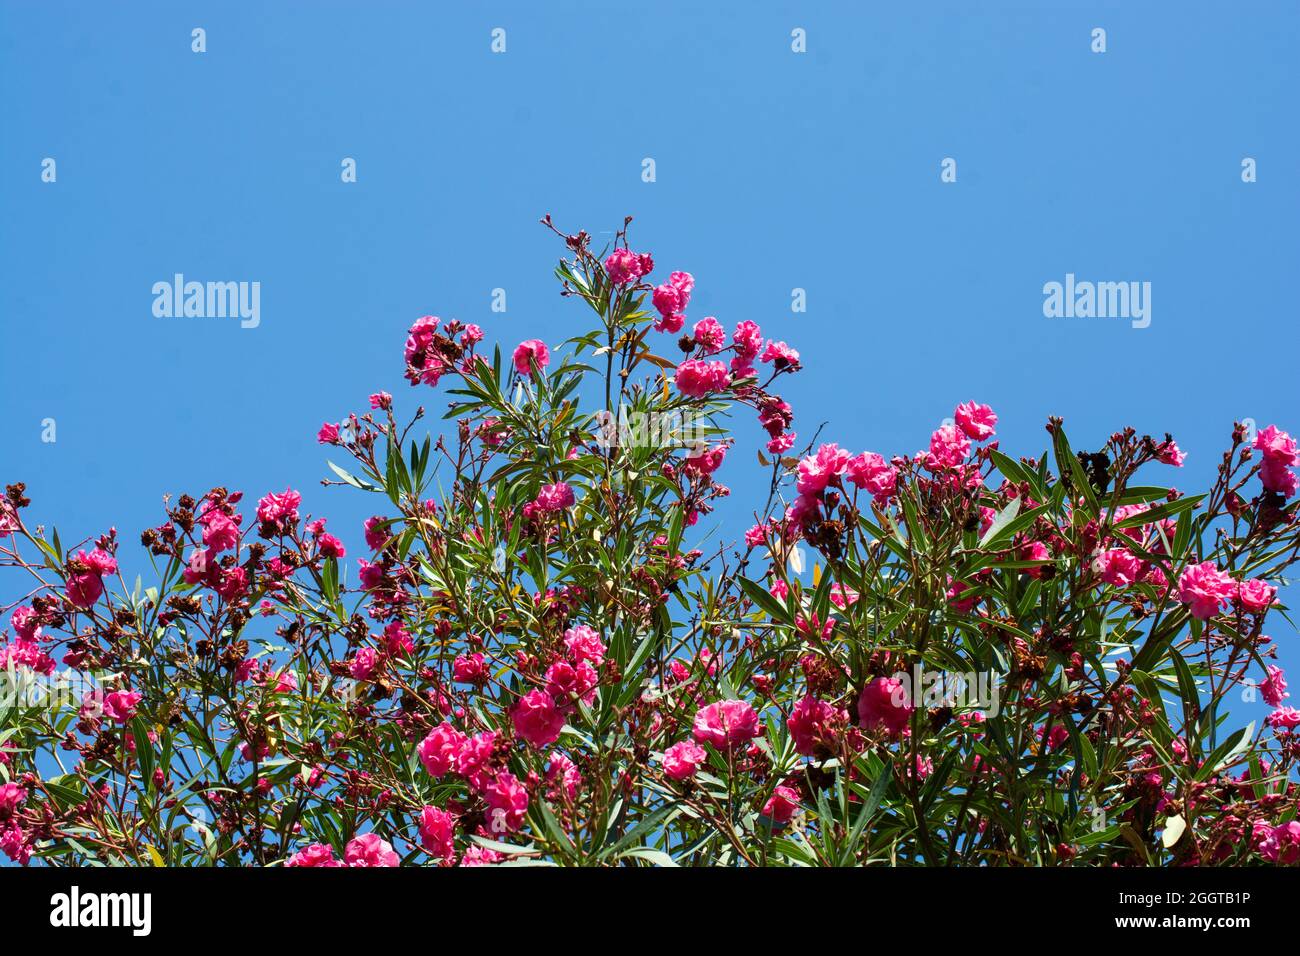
<point x="775" y="170"/>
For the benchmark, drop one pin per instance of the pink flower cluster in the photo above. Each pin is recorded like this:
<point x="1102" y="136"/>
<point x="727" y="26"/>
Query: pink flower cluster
<point x="1279" y="450"/>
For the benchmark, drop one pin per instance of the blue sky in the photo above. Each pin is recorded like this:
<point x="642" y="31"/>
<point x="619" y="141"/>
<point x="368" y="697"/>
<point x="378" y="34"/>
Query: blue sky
<point x="775" y="170"/>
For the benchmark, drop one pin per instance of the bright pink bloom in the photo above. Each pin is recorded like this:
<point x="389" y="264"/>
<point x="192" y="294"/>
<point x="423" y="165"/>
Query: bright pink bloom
<point x="1273" y="688"/>
<point x="976" y="421"/>
<point x="726" y="723"/>
<point x="870" y="471"/>
<point x="567" y="683"/>
<point x="696" y="378"/>
<point x="814" y="722"/>
<point x="438" y="751"/>
<point x="781" y="354"/>
<point x="782" y="805"/>
<point x="538" y="719"/>
<point x="369" y="850"/>
<point x="279" y="509"/>
<point x="1285" y="718"/>
<point x="330" y="546"/>
<point x="377" y="532"/>
<point x="438" y="832"/>
<point x="884" y="704"/>
<point x="1170" y="454"/>
<point x="585" y="645"/>
<point x="364" y="664"/>
<point x="948" y="448"/>
<point x="12" y="797"/>
<point x="624" y="266"/>
<point x="748" y="342"/>
<point x="85" y="587"/>
<point x="819" y="470"/>
<point x="709" y="335"/>
<point x="531" y="351"/>
<point x="328" y="434"/>
<point x="1277" y="446"/>
<point x="554" y="497"/>
<point x="507" y="802"/>
<point x="682" y="759"/>
<point x="220" y="533"/>
<point x="1116" y="566"/>
<point x="1256" y="595"/>
<point x="318" y="854"/>
<point x="1206" y="589"/>
<point x="469" y="669"/>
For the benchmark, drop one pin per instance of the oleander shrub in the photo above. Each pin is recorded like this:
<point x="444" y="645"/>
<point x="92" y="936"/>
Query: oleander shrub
<point x="958" y="657"/>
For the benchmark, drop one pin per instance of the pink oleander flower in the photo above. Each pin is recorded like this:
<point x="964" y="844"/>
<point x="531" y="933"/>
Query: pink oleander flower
<point x="507" y="802"/>
<point x="369" y="850"/>
<point x="554" y="497"/>
<point x="423" y="363"/>
<point x="563" y="776"/>
<point x="330" y="546"/>
<point x="26" y="654"/>
<point x="1256" y="595"/>
<point x="884" y="705"/>
<point x="948" y="448"/>
<point x="781" y="806"/>
<point x="364" y="664"/>
<point x="26" y="623"/>
<point x="726" y="723"/>
<point x="377" y="532"/>
<point x="220" y="533"/>
<point x="624" y="266"/>
<point x="1273" y="688"/>
<point x="821" y="469"/>
<point x="682" y="759"/>
<point x="1277" y="446"/>
<point x="12" y="797"/>
<point x="706" y="462"/>
<point x="279" y="509"/>
<point x="870" y="471"/>
<point x="566" y="682"/>
<point x="585" y="645"/>
<point x="15" y="843"/>
<point x="328" y="434"/>
<point x="747" y="340"/>
<point x="317" y="854"/>
<point x="1205" y="588"/>
<point x="469" y="669"/>
<point x="975" y="421"/>
<point x="670" y="300"/>
<point x="1278" y="478"/>
<point x="780" y="354"/>
<point x="1170" y="454"/>
<point x="709" y="335"/>
<point x="381" y="401"/>
<point x="85" y="587"/>
<point x="531" y="352"/>
<point x="696" y="378"/>
<point x="1116" y="566"/>
<point x="814" y="723"/>
<point x="119" y="705"/>
<point x="438" y="833"/>
<point x="439" y="750"/>
<point x="538" y="719"/>
<point x="1284" y="718"/>
<point x="781" y="444"/>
